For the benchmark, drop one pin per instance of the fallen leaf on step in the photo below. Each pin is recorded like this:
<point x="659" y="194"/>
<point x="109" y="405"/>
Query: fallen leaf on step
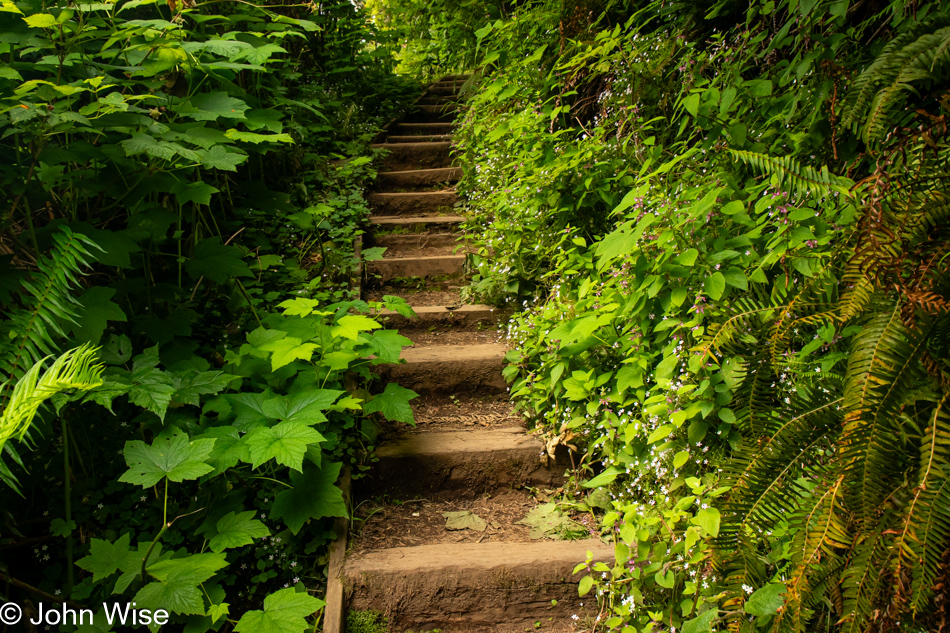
<point x="464" y="520"/>
<point x="546" y="521"/>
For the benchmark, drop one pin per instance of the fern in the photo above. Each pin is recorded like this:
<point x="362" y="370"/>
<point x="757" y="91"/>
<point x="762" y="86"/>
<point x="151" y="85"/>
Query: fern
<point x="882" y="369"/>
<point x="886" y="66"/>
<point x="801" y="180"/>
<point x="74" y="370"/>
<point x="31" y="331"/>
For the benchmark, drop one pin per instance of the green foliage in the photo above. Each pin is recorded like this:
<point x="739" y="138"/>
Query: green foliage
<point x="198" y="164"/>
<point x="726" y="229"/>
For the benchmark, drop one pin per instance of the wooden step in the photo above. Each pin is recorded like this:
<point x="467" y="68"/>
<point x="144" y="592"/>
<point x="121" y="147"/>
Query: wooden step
<point x="412" y="203"/>
<point x="419" y="177"/>
<point x="474" y="584"/>
<point x="438" y="222"/>
<point x="476" y="461"/>
<point x="401" y="156"/>
<point x="442" y="369"/>
<point x="457" y="77"/>
<point x="416" y="138"/>
<point x="423" y="128"/>
<point x="452" y="100"/>
<point x="416" y="241"/>
<point x="385" y="269"/>
<point x="432" y="114"/>
<point x="444" y="90"/>
<point x="466" y="316"/>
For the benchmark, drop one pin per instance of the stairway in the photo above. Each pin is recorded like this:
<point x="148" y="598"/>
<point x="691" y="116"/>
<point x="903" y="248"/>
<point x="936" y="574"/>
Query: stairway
<point x="468" y="452"/>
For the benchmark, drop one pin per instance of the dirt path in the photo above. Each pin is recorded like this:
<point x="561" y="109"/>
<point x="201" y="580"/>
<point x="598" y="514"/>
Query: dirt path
<point x="468" y="460"/>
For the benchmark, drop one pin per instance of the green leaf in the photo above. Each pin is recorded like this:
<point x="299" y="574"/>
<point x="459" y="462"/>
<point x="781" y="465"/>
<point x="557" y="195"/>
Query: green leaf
<point x="237" y="530"/>
<point x="177" y="457"/>
<point x="197" y="192"/>
<point x="210" y="106"/>
<point x="40" y="20"/>
<point x="218" y="611"/>
<point x="691" y="103"/>
<point x="584" y="586"/>
<point x="708" y="520"/>
<point x="303" y="406"/>
<point x="106" y="558"/>
<point x="604" y="478"/>
<point x="313" y="496"/>
<point x="680" y="459"/>
<point x="687" y="257"/>
<point x="766" y="600"/>
<point x="285" y="442"/>
<point x="177" y="589"/>
<point x="393" y="403"/>
<point x="351" y="325"/>
<point x="701" y="623"/>
<point x="288" y="349"/>
<point x="660" y="433"/>
<point x="256" y="139"/>
<point x="736" y="278"/>
<point x="98" y="310"/>
<point x="629" y="375"/>
<point x="285" y="611"/>
<point x="388" y="344"/>
<point x="216" y="261"/>
<point x="665" y="579"/>
<point x="715" y="285"/>
<point x="217" y="157"/>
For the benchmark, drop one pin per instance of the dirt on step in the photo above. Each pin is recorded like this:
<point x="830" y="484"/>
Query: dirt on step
<point x="416" y="297"/>
<point x="464" y="412"/>
<point x="421" y="522"/>
<point x="403" y="252"/>
<point x="422" y="338"/>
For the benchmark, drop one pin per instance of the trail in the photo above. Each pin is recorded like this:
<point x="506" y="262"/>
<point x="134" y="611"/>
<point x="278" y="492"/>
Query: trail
<point x="468" y="453"/>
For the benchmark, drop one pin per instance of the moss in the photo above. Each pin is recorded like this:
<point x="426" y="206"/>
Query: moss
<point x="366" y="622"/>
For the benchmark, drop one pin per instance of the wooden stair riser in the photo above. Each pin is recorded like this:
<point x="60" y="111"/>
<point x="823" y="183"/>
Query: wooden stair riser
<point x="450" y="370"/>
<point x="409" y="129"/>
<point x="385" y="270"/>
<point x="432" y="114"/>
<point x="409" y="178"/>
<point x="413" y="204"/>
<point x="439" y="464"/>
<point x="472" y="584"/>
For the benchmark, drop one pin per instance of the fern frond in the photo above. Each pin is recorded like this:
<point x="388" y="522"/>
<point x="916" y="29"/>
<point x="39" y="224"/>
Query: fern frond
<point x="863" y="582"/>
<point x="801" y="180"/>
<point x="75" y="370"/>
<point x="31" y="331"/>
<point x="765" y="477"/>
<point x="860" y="95"/>
<point x="883" y="367"/>
<point x="913" y="64"/>
<point x="926" y="526"/>
<point x="820" y="528"/>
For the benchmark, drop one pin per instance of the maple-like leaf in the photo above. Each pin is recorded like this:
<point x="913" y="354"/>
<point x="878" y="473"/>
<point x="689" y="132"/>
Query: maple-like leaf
<point x="285" y="611"/>
<point x="393" y="403"/>
<point x="313" y="496"/>
<point x="176" y="457"/>
<point x="237" y="530"/>
<point x="285" y="442"/>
